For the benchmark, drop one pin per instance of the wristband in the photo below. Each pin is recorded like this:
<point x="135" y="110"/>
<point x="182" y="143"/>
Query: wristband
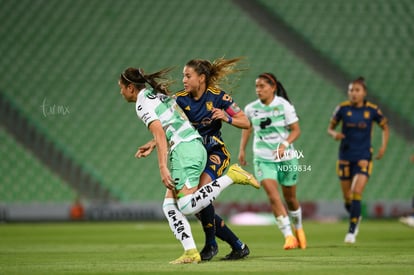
<point x="285" y="143"/>
<point x="230" y="120"/>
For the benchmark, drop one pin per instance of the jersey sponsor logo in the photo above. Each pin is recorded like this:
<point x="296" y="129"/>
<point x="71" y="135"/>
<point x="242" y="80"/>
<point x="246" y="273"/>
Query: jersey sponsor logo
<point x="362" y="125"/>
<point x="209" y="105"/>
<point x="367" y="114"/>
<point x="259" y="172"/>
<point x="206" y="121"/>
<point x="187" y="108"/>
<point x="151" y="96"/>
<point x="215" y="159"/>
<point x="139" y="108"/>
<point x="163" y="98"/>
<point x="265" y="122"/>
<point x="145" y="117"/>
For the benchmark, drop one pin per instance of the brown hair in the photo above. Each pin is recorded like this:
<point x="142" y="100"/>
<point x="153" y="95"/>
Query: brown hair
<point x="216" y="71"/>
<point x="360" y="80"/>
<point x="158" y="80"/>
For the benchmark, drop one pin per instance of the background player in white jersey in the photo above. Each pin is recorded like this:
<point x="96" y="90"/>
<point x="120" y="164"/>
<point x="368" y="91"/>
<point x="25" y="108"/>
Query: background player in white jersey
<point x="275" y="125"/>
<point x="177" y="141"/>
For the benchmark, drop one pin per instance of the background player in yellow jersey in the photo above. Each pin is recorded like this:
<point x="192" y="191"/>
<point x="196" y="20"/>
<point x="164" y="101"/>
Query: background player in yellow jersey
<point x="354" y="165"/>
<point x="207" y="106"/>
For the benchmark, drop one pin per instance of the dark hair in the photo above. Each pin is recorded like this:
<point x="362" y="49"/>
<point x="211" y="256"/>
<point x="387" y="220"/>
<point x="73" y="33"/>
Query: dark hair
<point x="272" y="80"/>
<point x="158" y="80"/>
<point x="360" y="80"/>
<point x="215" y="71"/>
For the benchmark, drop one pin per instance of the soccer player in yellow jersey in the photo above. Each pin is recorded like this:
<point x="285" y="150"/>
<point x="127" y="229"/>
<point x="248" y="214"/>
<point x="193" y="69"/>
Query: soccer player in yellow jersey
<point x="354" y="164"/>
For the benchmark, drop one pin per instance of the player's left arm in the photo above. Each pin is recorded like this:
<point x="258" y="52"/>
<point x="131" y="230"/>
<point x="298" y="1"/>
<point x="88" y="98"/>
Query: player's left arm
<point x="383" y="123"/>
<point x="385" y="137"/>
<point x="230" y="112"/>
<point x="237" y="119"/>
<point x="294" y="132"/>
<point x="146" y="149"/>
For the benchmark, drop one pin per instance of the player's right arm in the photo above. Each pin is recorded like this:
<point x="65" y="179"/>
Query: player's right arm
<point x="334" y="134"/>
<point x="245" y="135"/>
<point x="332" y="125"/>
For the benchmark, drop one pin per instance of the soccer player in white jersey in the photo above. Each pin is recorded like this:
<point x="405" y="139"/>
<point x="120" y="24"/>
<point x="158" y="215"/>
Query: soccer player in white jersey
<point x="177" y="141"/>
<point x="275" y="126"/>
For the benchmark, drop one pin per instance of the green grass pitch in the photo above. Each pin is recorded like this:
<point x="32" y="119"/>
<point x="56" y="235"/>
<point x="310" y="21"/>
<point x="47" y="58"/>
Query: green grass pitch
<point x="383" y="247"/>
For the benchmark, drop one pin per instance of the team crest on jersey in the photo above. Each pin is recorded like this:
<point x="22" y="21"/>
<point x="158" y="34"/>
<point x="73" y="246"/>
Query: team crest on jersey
<point x="349" y="113"/>
<point x="275" y="111"/>
<point x="209" y="105"/>
<point x="366" y="114"/>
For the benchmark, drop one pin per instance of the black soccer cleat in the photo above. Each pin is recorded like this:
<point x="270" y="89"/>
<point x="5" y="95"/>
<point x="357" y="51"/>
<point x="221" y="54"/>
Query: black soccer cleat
<point x="208" y="252"/>
<point x="237" y="254"/>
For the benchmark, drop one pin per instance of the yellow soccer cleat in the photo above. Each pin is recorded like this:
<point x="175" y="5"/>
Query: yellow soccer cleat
<point x="300" y="236"/>
<point x="190" y="256"/>
<point x="241" y="176"/>
<point x="290" y="243"/>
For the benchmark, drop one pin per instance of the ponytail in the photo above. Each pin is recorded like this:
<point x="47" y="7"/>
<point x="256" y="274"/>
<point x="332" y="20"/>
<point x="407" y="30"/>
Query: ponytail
<point x="272" y="80"/>
<point x="217" y="71"/>
<point x="158" y="80"/>
<point x="280" y="91"/>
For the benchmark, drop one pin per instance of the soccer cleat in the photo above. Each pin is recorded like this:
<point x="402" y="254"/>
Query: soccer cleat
<point x="208" y="252"/>
<point x="190" y="256"/>
<point x="240" y="176"/>
<point x="300" y="236"/>
<point x="290" y="243"/>
<point x="407" y="220"/>
<point x="237" y="254"/>
<point x="349" y="238"/>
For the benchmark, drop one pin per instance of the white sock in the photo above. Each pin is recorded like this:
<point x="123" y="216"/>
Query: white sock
<point x="179" y="224"/>
<point x="194" y="203"/>
<point x="284" y="225"/>
<point x="296" y="217"/>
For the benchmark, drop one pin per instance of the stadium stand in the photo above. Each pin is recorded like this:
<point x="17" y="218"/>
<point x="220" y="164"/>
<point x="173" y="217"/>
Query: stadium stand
<point x="369" y="38"/>
<point x="25" y="179"/>
<point x="61" y="61"/>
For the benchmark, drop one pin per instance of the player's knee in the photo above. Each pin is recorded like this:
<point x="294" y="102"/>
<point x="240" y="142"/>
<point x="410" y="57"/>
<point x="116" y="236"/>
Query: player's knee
<point x="184" y="204"/>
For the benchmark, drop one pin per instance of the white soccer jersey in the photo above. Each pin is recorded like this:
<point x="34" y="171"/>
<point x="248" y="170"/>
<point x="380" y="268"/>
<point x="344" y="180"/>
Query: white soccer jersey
<point x="270" y="128"/>
<point x="150" y="107"/>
